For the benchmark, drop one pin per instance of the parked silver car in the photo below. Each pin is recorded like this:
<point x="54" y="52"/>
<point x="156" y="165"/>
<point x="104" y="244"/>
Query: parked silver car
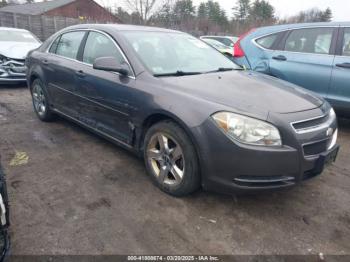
<point x="14" y="47"/>
<point x="226" y="40"/>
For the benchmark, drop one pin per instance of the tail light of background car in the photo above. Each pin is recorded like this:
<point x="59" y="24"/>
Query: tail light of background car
<point x="237" y="49"/>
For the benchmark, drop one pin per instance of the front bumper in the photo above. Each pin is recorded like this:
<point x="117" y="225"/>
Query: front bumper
<point x="232" y="167"/>
<point x="12" y="71"/>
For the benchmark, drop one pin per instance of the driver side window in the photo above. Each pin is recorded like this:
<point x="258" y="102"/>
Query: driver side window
<point x="346" y="43"/>
<point x="98" y="45"/>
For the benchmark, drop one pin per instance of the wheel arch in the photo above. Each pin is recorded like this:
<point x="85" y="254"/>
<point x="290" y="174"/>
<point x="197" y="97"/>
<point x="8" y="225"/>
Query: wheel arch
<point x="160" y="116"/>
<point x="32" y="78"/>
<point x="35" y="72"/>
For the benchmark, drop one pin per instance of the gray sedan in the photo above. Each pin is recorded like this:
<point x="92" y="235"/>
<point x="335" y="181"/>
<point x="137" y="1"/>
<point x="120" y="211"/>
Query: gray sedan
<point x="195" y="117"/>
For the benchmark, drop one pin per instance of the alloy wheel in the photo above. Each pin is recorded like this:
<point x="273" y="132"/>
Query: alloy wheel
<point x="39" y="99"/>
<point x="166" y="159"/>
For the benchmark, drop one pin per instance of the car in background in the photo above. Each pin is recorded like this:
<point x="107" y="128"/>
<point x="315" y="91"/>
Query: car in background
<point x="14" y="47"/>
<point x="226" y="40"/>
<point x="196" y="117"/>
<point x="225" y="50"/>
<point x="315" y="56"/>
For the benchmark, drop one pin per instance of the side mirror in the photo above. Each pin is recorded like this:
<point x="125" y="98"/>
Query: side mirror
<point x="110" y="64"/>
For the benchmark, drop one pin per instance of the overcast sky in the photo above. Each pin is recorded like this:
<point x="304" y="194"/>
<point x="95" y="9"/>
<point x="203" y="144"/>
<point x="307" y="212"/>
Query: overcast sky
<point x="340" y="8"/>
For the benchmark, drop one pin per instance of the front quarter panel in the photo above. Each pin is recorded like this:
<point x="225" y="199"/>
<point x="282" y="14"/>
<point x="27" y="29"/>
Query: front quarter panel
<point x="34" y="67"/>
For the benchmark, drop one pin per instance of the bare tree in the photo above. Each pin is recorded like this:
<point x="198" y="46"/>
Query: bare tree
<point x="145" y="8"/>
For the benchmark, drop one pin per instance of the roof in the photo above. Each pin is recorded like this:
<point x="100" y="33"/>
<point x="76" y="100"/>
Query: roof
<point x="301" y="25"/>
<point x="219" y="36"/>
<point x="121" y="27"/>
<point x="35" y="8"/>
<point x="267" y="30"/>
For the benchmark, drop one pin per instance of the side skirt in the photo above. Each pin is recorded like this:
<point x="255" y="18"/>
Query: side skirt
<point x="98" y="132"/>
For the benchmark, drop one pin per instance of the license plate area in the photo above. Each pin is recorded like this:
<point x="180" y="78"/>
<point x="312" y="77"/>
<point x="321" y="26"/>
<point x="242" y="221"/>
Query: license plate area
<point x="327" y="158"/>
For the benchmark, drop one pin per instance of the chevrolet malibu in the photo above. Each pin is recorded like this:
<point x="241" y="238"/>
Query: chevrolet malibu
<point x="14" y="47"/>
<point x="195" y="117"/>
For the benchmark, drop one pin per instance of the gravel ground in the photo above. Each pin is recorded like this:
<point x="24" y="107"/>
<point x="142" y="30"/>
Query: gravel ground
<point x="79" y="194"/>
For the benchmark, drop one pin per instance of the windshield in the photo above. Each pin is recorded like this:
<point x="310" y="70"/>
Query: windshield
<point x="169" y="53"/>
<point x="17" y="36"/>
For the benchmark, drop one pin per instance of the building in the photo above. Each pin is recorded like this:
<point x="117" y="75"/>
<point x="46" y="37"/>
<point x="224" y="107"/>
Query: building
<point x="78" y="9"/>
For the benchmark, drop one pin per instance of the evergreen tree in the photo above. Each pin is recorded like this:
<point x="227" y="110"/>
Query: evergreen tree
<point x="202" y="11"/>
<point x="3" y="3"/>
<point x="241" y="10"/>
<point x="262" y="12"/>
<point x="326" y="15"/>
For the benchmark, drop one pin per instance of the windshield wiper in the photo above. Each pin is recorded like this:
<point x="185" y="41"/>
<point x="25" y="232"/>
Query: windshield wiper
<point x="178" y="73"/>
<point x="223" y="69"/>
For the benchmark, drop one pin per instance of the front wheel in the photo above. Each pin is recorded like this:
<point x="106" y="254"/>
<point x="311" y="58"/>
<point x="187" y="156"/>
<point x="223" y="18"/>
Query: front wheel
<point x="171" y="159"/>
<point x="40" y="101"/>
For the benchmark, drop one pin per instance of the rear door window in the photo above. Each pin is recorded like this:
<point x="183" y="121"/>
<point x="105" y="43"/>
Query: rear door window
<point x="346" y="43"/>
<point x="69" y="44"/>
<point x="267" y="41"/>
<point x="310" y="40"/>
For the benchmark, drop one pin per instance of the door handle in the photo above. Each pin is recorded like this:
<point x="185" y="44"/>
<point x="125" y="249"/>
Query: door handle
<point x="80" y="73"/>
<point x="344" y="65"/>
<point x="280" y="58"/>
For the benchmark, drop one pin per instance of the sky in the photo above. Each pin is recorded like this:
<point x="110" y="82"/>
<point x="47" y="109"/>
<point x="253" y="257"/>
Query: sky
<point x="340" y="8"/>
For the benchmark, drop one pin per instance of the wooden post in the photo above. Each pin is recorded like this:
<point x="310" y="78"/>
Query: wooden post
<point x="42" y="22"/>
<point x="14" y="20"/>
<point x="30" y="23"/>
<point x="55" y="24"/>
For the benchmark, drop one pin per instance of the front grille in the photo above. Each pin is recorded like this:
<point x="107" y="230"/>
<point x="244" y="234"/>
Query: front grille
<point x="13" y="68"/>
<point x="316" y="148"/>
<point x="312" y="124"/>
<point x="264" y="181"/>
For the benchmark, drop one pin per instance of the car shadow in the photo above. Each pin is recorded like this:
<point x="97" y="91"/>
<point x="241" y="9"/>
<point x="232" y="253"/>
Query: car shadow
<point x="344" y="124"/>
<point x="13" y="86"/>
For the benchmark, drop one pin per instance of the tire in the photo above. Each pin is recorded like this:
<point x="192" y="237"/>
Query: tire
<point x="40" y="101"/>
<point x="172" y="166"/>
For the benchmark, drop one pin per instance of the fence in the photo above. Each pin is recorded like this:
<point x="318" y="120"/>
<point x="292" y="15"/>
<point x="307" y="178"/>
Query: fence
<point x="42" y="26"/>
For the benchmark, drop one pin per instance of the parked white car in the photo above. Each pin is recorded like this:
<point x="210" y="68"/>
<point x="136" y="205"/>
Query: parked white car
<point x="226" y="40"/>
<point x="14" y="47"/>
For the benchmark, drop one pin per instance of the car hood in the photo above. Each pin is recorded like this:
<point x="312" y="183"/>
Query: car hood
<point x="246" y="91"/>
<point x="16" y="50"/>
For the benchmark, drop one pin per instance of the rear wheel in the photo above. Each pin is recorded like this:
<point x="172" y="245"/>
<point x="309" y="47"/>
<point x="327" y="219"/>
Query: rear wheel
<point x="171" y="160"/>
<point x="40" y="101"/>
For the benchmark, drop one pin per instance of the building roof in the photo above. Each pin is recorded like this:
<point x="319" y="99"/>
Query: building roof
<point x="35" y="8"/>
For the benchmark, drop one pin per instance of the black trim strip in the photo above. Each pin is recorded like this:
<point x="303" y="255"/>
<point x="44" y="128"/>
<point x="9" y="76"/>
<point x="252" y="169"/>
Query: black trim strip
<point x="93" y="129"/>
<point x="92" y="101"/>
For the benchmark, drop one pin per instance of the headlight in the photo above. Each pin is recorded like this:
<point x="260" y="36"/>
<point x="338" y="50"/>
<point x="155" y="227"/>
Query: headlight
<point x="248" y="130"/>
<point x="332" y="113"/>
